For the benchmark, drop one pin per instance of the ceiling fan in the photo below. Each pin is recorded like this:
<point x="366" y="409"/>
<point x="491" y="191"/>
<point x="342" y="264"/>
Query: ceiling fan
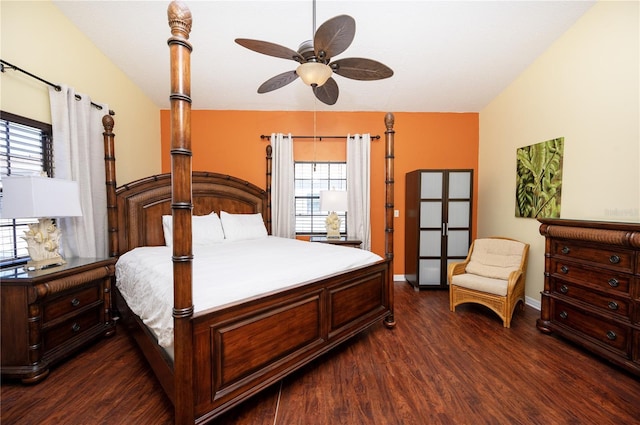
<point x="315" y="58"/>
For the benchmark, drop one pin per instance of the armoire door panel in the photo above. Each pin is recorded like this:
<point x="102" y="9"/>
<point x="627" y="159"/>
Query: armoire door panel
<point x="431" y="186"/>
<point x="458" y="243"/>
<point x="459" y="185"/>
<point x="459" y="213"/>
<point x="430" y="271"/>
<point x="430" y="214"/>
<point x="430" y="243"/>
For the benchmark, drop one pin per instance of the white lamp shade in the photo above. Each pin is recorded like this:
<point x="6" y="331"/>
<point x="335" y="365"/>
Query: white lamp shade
<point x="333" y="200"/>
<point x="37" y="197"/>
<point x="314" y="73"/>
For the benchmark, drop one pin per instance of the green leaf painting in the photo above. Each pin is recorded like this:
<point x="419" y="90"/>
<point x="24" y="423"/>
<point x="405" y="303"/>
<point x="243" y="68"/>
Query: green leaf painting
<point x="539" y="179"/>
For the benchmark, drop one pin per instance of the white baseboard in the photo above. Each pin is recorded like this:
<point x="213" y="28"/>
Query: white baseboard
<point x="532" y="302"/>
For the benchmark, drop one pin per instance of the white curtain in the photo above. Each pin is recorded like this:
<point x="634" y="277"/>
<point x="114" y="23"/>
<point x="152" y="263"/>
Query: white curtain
<point x="358" y="189"/>
<point x="78" y="152"/>
<point x="282" y="187"/>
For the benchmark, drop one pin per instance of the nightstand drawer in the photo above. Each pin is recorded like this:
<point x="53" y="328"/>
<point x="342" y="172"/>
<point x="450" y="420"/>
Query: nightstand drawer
<point x="74" y="301"/>
<point x="70" y="328"/>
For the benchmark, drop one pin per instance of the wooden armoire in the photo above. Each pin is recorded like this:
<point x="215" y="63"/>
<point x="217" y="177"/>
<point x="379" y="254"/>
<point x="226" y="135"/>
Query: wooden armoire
<point x="438" y="224"/>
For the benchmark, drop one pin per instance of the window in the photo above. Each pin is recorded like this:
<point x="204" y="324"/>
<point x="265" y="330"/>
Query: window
<point x="310" y="178"/>
<point x="25" y="149"/>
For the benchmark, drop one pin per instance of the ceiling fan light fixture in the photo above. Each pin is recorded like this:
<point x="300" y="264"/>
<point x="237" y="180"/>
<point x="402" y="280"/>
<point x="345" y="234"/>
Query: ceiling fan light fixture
<point x="314" y="74"/>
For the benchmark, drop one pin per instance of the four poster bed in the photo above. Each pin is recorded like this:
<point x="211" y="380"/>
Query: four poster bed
<point x="219" y="354"/>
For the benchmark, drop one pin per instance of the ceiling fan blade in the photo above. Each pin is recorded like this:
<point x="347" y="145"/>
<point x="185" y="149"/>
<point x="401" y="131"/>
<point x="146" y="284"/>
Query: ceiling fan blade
<point x="361" y="69"/>
<point x="328" y="92"/>
<point x="278" y="81"/>
<point x="334" y="36"/>
<point x="270" y="49"/>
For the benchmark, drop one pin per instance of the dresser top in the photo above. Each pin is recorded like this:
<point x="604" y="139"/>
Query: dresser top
<point x="603" y="232"/>
<point x="608" y="225"/>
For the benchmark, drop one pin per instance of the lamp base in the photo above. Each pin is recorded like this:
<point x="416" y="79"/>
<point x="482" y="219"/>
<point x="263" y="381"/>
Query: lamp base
<point x="332" y="225"/>
<point x="43" y="264"/>
<point x="43" y="241"/>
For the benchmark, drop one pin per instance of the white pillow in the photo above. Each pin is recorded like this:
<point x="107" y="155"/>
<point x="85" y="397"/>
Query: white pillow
<point x="239" y="227"/>
<point x="205" y="229"/>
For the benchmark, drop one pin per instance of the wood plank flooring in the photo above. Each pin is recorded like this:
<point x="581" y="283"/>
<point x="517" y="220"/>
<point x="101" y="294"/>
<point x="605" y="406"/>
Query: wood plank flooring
<point x="435" y="367"/>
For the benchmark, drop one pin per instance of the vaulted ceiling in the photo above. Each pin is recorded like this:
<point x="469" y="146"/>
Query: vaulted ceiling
<point x="447" y="56"/>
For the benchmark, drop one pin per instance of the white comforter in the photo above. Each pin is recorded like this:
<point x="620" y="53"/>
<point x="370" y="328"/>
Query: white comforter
<point x="226" y="272"/>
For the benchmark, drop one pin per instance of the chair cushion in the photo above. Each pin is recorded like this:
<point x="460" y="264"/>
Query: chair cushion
<point x="495" y="258"/>
<point x="481" y="283"/>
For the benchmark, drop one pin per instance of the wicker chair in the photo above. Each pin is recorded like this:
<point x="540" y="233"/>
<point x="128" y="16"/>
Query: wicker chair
<point x="493" y="274"/>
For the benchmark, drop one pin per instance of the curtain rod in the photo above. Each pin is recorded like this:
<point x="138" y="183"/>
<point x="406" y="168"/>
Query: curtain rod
<point x="263" y="136"/>
<point x="55" y="86"/>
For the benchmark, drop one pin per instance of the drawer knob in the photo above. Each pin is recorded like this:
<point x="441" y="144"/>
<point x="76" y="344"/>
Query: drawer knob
<point x="564" y="315"/>
<point x="564" y="289"/>
<point x="611" y="335"/>
<point x="565" y="250"/>
<point x="614" y="259"/>
<point x="613" y="282"/>
<point x="613" y="305"/>
<point x="75" y="302"/>
<point x="564" y="269"/>
<point x="75" y="327"/>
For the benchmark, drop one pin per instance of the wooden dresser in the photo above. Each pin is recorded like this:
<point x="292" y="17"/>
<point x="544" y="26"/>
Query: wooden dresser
<point x="48" y="314"/>
<point x="592" y="287"/>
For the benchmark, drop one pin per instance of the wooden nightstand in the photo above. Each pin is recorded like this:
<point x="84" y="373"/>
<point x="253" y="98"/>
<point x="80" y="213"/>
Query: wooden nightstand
<point x="341" y="241"/>
<point x="48" y="314"/>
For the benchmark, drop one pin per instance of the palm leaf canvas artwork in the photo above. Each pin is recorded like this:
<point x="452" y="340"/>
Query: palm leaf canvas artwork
<point x="539" y="179"/>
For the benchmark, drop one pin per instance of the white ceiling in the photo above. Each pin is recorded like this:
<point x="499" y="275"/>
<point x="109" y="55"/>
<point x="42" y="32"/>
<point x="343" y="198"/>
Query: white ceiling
<point x="447" y="56"/>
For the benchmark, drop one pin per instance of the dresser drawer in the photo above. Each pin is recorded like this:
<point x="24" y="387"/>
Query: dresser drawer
<point x="73" y="301"/>
<point x="70" y="328"/>
<point x="605" y="280"/>
<point x="612" y="335"/>
<point x="618" y="259"/>
<point x="608" y="304"/>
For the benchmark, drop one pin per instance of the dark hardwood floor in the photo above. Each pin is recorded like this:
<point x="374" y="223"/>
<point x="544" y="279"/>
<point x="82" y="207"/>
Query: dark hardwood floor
<point x="435" y="367"/>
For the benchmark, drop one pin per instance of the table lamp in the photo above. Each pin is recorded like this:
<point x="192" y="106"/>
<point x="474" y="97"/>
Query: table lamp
<point x="332" y="201"/>
<point x="43" y="198"/>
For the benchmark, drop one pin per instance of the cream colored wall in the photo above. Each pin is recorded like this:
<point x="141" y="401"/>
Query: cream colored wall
<point x="36" y="37"/>
<point x="584" y="88"/>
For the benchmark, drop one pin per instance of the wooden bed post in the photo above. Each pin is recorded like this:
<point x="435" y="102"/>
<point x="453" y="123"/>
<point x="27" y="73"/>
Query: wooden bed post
<point x="110" y="179"/>
<point x="389" y="121"/>
<point x="181" y="207"/>
<point x="268" y="187"/>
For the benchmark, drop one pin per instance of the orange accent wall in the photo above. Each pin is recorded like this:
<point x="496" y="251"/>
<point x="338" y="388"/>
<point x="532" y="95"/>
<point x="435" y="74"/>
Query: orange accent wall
<point x="229" y="142"/>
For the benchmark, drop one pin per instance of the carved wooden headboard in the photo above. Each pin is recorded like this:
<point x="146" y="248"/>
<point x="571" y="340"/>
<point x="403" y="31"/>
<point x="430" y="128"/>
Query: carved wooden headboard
<point x="142" y="204"/>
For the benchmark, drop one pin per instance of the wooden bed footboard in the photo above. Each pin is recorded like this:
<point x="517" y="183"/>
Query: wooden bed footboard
<point x="245" y="348"/>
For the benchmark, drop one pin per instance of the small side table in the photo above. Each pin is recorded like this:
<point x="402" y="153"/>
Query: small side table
<point x="49" y="314"/>
<point x="354" y="243"/>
